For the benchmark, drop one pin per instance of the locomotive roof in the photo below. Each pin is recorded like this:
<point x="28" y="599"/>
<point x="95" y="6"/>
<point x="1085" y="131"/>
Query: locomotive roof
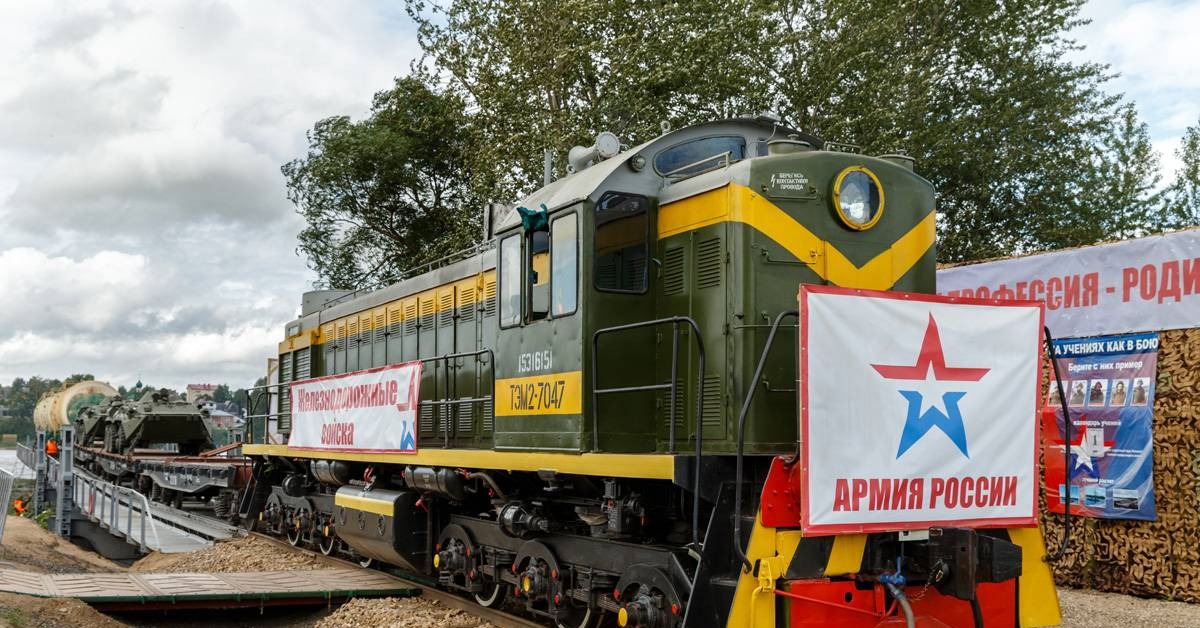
<point x="609" y="174"/>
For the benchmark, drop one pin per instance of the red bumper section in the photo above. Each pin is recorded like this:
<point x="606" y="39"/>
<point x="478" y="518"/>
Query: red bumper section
<point x="813" y="603"/>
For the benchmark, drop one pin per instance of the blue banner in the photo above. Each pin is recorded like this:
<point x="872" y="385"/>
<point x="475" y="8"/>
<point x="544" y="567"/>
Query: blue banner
<point x="1109" y="383"/>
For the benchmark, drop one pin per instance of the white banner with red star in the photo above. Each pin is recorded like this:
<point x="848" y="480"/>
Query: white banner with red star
<point x="917" y="410"/>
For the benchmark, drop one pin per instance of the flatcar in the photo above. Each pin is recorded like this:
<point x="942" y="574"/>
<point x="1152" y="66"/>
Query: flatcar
<point x="582" y="442"/>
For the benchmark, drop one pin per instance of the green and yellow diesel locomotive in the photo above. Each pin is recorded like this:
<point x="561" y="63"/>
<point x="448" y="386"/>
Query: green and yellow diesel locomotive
<point x="597" y="378"/>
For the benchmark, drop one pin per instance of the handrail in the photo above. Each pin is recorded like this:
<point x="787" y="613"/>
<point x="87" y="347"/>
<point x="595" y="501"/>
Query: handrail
<point x="87" y="488"/>
<point x="675" y="322"/>
<point x="408" y="273"/>
<point x="741" y="436"/>
<point x="453" y="402"/>
<point x="680" y="172"/>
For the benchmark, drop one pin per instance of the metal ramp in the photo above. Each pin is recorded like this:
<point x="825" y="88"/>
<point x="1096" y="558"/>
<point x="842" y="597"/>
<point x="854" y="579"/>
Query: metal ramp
<point x="122" y="511"/>
<point x="127" y="514"/>
<point x="155" y="591"/>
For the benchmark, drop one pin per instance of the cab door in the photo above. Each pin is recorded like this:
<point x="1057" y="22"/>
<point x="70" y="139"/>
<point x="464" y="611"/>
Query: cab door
<point x="620" y="291"/>
<point x="539" y="347"/>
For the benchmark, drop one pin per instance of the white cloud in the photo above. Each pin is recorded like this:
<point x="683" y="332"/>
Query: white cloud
<point x="1153" y="47"/>
<point x="144" y="227"/>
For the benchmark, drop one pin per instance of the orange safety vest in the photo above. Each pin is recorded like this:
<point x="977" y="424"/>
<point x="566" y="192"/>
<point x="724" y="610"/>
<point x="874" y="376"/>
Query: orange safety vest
<point x="19" y="506"/>
<point x="51" y="448"/>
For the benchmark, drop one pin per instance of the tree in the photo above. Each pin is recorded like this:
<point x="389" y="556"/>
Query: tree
<point x="1184" y="192"/>
<point x="984" y="95"/>
<point x="387" y="193"/>
<point x="1123" y="197"/>
<point x="222" y="394"/>
<point x="544" y="75"/>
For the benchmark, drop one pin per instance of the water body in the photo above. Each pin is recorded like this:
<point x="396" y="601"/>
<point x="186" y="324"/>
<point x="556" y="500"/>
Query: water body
<point x="9" y="462"/>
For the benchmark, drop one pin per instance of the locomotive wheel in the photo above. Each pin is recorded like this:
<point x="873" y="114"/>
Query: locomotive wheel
<point x="293" y="532"/>
<point x="493" y="597"/>
<point x="575" y="616"/>
<point x="327" y="543"/>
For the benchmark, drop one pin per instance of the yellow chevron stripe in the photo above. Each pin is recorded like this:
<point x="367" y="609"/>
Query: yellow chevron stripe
<point x="738" y="203"/>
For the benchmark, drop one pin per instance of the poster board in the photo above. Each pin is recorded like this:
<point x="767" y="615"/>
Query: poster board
<point x="917" y="410"/>
<point x="1109" y="383"/>
<point x="365" y="411"/>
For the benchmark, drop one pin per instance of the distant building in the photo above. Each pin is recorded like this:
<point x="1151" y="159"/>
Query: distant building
<point x="196" y="391"/>
<point x="220" y="418"/>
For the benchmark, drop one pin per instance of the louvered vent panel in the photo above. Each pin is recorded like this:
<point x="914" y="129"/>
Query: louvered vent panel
<point x="426" y="420"/>
<point x="410" y="318"/>
<point x="427" y="313"/>
<point x="466" y="302"/>
<point x="446" y="309"/>
<point x="489" y="297"/>
<point x="708" y="263"/>
<point x="303" y="364"/>
<point x="713" y="415"/>
<point x="352" y="333"/>
<point x="466" y="420"/>
<point x="673" y="277"/>
<point x="341" y="333"/>
<point x="635" y="273"/>
<point x="285" y="376"/>
<point x="394" y="320"/>
<point x="380" y="327"/>
<point x="606" y="271"/>
<point x="681" y="409"/>
<point x="489" y="417"/>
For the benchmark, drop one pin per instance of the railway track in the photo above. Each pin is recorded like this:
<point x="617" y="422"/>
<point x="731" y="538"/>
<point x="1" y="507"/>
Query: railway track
<point x="497" y="617"/>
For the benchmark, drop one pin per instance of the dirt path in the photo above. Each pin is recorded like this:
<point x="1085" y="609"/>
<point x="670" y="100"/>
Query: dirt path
<point x="29" y="547"/>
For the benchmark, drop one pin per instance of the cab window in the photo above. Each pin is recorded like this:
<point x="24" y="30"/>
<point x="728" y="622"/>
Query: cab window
<point x="683" y="159"/>
<point x="510" y="281"/>
<point x="621" y="243"/>
<point x="538" y="245"/>
<point x="564" y="258"/>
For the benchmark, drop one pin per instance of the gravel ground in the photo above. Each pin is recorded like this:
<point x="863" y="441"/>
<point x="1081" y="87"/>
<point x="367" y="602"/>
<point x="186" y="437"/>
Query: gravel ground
<point x="1090" y="609"/>
<point x="244" y="554"/>
<point x="399" y="613"/>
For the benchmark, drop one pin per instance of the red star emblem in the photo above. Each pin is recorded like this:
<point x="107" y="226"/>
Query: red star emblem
<point x="931" y="356"/>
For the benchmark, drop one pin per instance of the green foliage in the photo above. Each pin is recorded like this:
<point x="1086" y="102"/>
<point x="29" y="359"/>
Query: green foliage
<point x="221" y="394"/>
<point x="1184" y="192"/>
<point x="1025" y="148"/>
<point x="386" y="193"/>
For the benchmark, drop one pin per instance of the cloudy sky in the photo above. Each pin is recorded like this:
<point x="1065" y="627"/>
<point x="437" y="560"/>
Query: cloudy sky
<point x="144" y="231"/>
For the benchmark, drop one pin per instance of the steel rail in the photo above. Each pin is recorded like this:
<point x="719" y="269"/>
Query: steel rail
<point x="497" y="617"/>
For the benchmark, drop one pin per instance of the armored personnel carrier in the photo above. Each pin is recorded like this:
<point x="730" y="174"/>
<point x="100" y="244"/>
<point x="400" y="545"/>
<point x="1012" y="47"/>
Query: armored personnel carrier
<point x="156" y="421"/>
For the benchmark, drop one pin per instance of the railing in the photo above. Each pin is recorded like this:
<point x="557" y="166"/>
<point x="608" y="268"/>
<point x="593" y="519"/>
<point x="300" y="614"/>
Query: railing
<point x="450" y="385"/>
<point x="113" y="500"/>
<point x="252" y="418"/>
<point x="6" y="484"/>
<point x="675" y="322"/>
<point x="408" y="273"/>
<point x="26" y="456"/>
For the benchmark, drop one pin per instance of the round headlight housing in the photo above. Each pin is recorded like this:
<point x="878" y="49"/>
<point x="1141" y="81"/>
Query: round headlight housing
<point x="858" y="198"/>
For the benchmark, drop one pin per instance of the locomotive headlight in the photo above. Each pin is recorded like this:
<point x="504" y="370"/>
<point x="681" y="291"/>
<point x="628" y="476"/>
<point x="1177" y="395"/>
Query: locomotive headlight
<point x="858" y="198"/>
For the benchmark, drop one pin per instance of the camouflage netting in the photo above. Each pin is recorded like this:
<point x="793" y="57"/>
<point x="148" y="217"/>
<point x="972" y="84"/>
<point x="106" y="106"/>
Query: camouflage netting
<point x="1151" y="558"/>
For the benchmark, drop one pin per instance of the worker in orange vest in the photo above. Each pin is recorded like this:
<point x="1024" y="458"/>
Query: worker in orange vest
<point x="52" y="448"/>
<point x="19" y="506"/>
